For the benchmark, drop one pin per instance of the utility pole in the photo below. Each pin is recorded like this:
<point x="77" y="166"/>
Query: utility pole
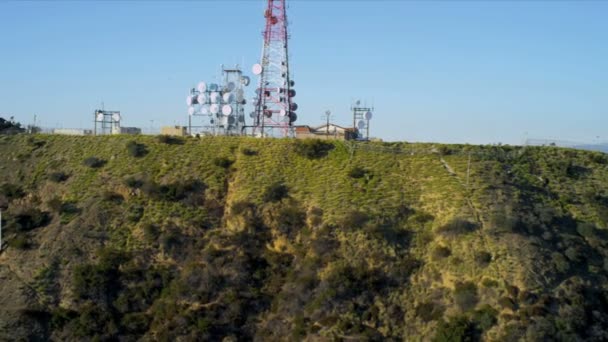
<point x="0" y="230"/>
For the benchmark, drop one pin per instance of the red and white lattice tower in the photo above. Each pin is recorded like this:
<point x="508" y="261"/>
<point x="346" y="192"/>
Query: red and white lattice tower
<point x="274" y="107"/>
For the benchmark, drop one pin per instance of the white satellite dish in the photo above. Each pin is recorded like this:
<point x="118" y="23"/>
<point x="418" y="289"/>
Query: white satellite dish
<point x="368" y="116"/>
<point x="100" y="117"/>
<point x="215" y="97"/>
<point x="214" y="109"/>
<point x="257" y="69"/>
<point x="283" y="112"/>
<point x="189" y="100"/>
<point x="116" y="117"/>
<point x="228" y="97"/>
<point x="361" y="124"/>
<point x="227" y="109"/>
<point x="202" y="87"/>
<point x="212" y="87"/>
<point x="245" y="80"/>
<point x="201" y="98"/>
<point x="191" y="110"/>
<point x="205" y="110"/>
<point x="230" y="86"/>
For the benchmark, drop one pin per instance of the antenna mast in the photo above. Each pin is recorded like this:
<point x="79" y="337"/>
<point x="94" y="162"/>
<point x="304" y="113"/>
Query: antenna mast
<point x="274" y="107"/>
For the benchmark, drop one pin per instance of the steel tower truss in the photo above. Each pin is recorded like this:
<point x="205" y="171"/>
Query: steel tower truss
<point x="274" y="107"/>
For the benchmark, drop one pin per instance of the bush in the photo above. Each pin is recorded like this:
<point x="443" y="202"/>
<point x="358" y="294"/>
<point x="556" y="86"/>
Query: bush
<point x="485" y="317"/>
<point x="249" y="152"/>
<point x="151" y="232"/>
<point x="429" y="311"/>
<point x="223" y="162"/>
<point x="507" y="303"/>
<point x="457" y="329"/>
<point x="134" y="183"/>
<point x="58" y="177"/>
<point x="457" y="227"/>
<point x="353" y="219"/>
<point x="136" y="150"/>
<point x="69" y="210"/>
<point x="11" y="191"/>
<point x="275" y="193"/>
<point x="112" y="197"/>
<point x="441" y="252"/>
<point x="20" y="242"/>
<point x="483" y="259"/>
<point x="465" y="295"/>
<point x="30" y="219"/>
<point x="94" y="162"/>
<point x="357" y="172"/>
<point x="313" y="148"/>
<point x="170" y="140"/>
<point x="173" y="192"/>
<point x="135" y="213"/>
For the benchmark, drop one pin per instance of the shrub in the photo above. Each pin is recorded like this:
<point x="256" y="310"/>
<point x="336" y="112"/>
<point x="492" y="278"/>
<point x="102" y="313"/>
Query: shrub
<point x="507" y="303"/>
<point x="353" y="219"/>
<point x="20" y="242"/>
<point x="61" y="316"/>
<point x="485" y="317"/>
<point x="586" y="230"/>
<point x="110" y="196"/>
<point x="487" y="282"/>
<point x="457" y="329"/>
<point x="465" y="295"/>
<point x="173" y="192"/>
<point x="457" y="227"/>
<point x="275" y="193"/>
<point x="94" y="162"/>
<point x="223" y="162"/>
<point x="136" y="150"/>
<point x="357" y="172"/>
<point x="58" y="177"/>
<point x="483" y="259"/>
<point x="134" y="183"/>
<point x="151" y="232"/>
<point x="170" y="140"/>
<point x="11" y="191"/>
<point x="69" y="210"/>
<point x="135" y="213"/>
<point x="429" y="311"/>
<point x="30" y="219"/>
<point x="249" y="152"/>
<point x="441" y="252"/>
<point x="313" y="148"/>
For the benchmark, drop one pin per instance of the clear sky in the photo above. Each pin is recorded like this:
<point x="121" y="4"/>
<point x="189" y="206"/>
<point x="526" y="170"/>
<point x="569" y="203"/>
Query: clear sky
<point x="443" y="71"/>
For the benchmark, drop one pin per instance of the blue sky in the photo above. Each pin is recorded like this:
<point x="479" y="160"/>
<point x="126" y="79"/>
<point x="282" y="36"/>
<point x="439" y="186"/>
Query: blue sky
<point x="444" y="71"/>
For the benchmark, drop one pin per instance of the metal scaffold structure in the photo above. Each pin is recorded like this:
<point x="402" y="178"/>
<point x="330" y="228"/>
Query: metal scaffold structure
<point x="275" y="110"/>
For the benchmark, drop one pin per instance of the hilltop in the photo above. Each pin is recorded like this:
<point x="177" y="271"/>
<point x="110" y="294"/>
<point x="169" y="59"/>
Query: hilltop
<point x="153" y="238"/>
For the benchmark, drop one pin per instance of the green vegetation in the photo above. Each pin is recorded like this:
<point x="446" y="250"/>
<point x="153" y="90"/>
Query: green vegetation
<point x="136" y="150"/>
<point x="227" y="238"/>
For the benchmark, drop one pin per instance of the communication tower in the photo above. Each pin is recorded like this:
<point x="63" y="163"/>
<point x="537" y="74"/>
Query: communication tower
<point x="107" y="122"/>
<point x="275" y="110"/>
<point x="221" y="106"/>
<point x="361" y="117"/>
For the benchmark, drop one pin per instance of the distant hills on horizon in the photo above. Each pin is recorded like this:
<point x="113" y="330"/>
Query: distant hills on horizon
<point x="601" y="147"/>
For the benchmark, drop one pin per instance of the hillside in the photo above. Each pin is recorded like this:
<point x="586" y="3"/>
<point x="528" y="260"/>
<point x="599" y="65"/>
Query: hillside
<point x="128" y="238"/>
